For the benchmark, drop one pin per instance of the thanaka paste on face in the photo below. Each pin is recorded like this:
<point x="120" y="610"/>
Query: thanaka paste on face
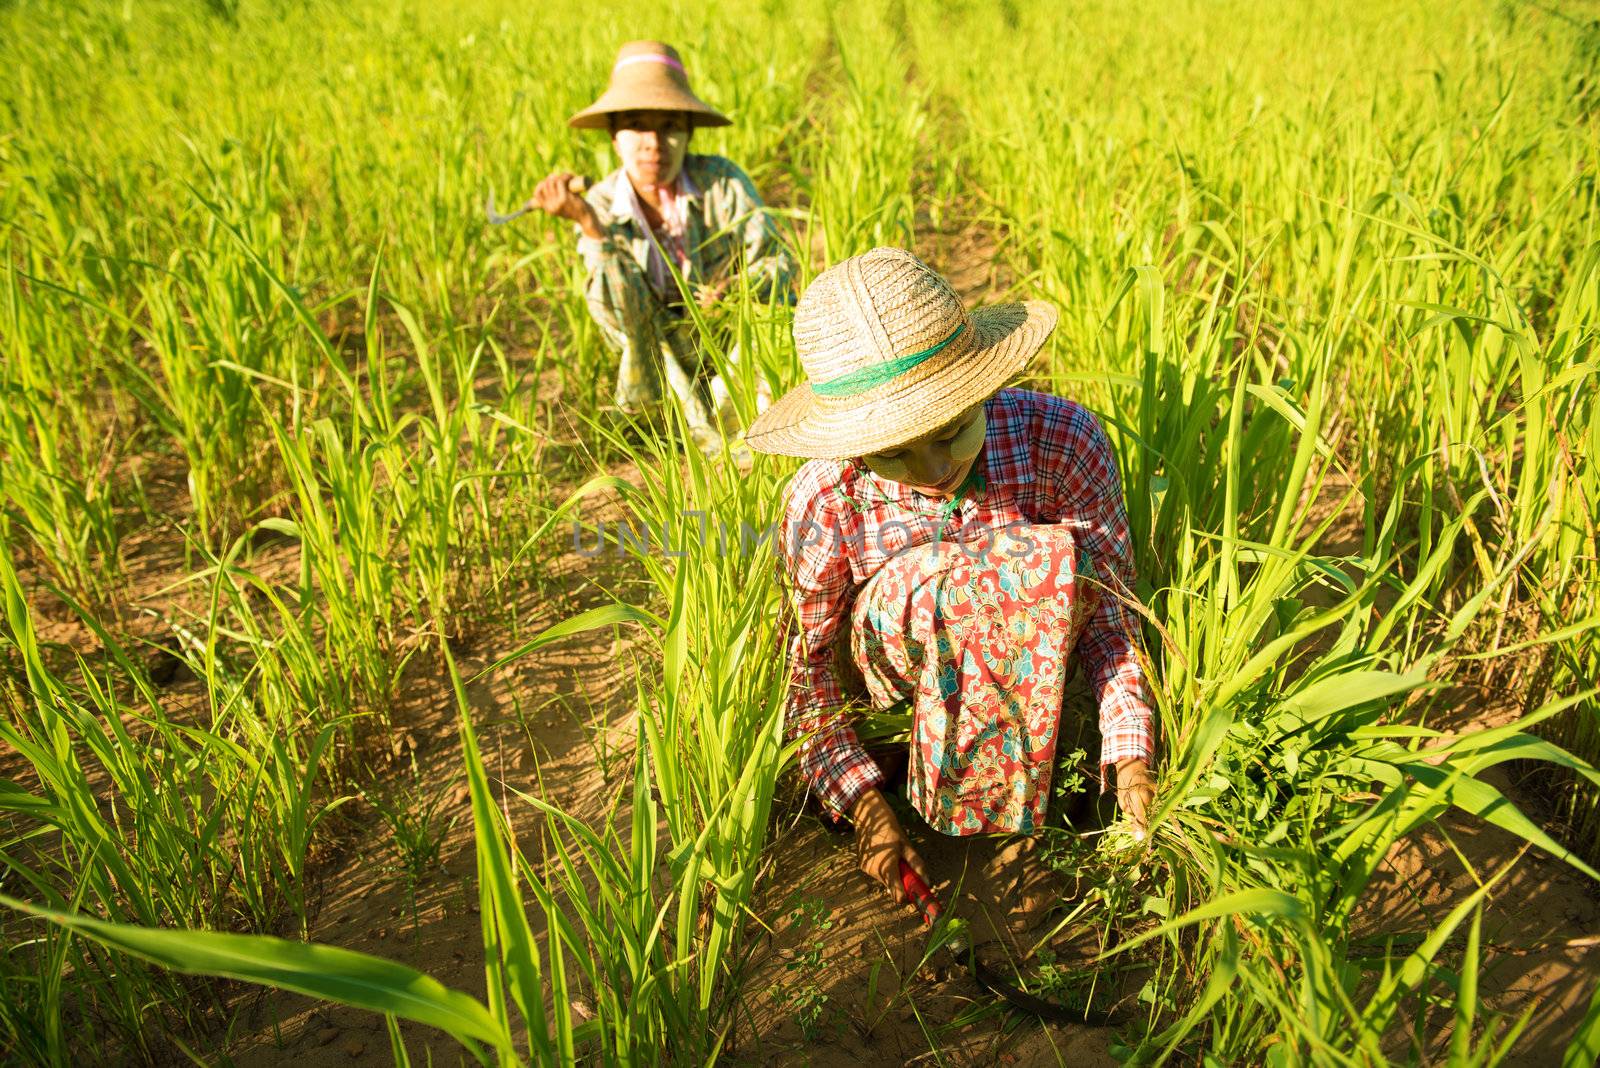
<point x="958" y="452"/>
<point x="673" y="147"/>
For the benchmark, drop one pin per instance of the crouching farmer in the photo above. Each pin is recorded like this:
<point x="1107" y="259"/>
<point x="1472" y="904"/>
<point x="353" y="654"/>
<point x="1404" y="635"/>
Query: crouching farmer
<point x="662" y="216"/>
<point x="952" y="547"/>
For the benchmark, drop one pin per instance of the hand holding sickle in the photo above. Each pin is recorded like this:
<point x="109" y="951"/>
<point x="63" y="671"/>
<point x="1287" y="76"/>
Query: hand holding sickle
<point x="561" y="195"/>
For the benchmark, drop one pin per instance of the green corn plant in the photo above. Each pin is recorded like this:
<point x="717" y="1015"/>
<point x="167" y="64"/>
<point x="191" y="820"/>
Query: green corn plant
<point x="516" y="968"/>
<point x="53" y="476"/>
<point x="144" y="819"/>
<point x="326" y="972"/>
<point x="861" y="177"/>
<point x="1267" y="726"/>
<point x="1317" y="286"/>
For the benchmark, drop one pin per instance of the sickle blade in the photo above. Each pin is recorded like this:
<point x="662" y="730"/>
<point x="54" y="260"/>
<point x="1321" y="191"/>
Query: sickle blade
<point x="494" y="216"/>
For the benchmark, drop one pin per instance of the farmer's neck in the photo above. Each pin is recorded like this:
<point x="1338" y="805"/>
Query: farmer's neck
<point x="650" y="197"/>
<point x="649" y="193"/>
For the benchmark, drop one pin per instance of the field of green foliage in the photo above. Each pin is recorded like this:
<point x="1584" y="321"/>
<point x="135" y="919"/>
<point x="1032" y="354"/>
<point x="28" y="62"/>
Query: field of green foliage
<point x="1330" y="272"/>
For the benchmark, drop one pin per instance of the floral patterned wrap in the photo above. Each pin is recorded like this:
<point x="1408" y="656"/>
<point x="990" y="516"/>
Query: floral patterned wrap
<point x="976" y="639"/>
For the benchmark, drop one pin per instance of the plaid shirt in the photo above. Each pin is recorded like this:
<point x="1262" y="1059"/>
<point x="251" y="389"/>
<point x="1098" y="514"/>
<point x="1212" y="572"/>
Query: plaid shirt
<point x="1044" y="460"/>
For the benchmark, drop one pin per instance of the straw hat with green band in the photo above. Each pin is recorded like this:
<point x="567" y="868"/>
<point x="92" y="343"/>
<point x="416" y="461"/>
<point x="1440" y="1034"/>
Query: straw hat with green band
<point x="890" y="355"/>
<point x="647" y="76"/>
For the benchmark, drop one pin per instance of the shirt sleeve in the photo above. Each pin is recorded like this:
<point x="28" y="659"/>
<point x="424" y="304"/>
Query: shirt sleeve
<point x="1090" y="500"/>
<point x="767" y="261"/>
<point x="818" y="585"/>
<point x="613" y="238"/>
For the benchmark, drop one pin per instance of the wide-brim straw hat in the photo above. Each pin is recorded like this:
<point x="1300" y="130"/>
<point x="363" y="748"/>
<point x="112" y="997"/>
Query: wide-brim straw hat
<point x="890" y="354"/>
<point x="647" y="76"/>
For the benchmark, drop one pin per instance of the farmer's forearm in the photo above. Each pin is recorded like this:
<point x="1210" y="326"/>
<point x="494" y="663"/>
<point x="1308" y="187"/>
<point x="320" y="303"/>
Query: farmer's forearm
<point x="868" y="805"/>
<point x="589" y="224"/>
<point x="837" y="766"/>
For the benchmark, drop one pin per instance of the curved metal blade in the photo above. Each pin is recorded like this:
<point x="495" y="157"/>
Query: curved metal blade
<point x="495" y="217"/>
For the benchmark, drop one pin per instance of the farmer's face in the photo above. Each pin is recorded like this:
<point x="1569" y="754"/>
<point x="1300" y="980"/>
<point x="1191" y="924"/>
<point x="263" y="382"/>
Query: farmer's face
<point x="652" y="145"/>
<point x="935" y="464"/>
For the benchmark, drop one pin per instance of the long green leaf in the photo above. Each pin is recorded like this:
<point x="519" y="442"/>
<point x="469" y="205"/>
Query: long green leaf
<point x="328" y="972"/>
<point x="604" y="616"/>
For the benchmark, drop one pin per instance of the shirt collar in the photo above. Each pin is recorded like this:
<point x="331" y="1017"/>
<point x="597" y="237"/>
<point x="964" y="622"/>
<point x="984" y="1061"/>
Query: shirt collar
<point x="623" y="197"/>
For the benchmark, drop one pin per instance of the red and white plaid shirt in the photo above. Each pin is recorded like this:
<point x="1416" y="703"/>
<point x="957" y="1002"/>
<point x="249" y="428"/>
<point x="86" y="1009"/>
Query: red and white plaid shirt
<point x="1044" y="460"/>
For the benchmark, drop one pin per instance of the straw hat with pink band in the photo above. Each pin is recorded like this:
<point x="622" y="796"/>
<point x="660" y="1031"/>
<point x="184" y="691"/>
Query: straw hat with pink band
<point x="647" y="76"/>
<point x="891" y="354"/>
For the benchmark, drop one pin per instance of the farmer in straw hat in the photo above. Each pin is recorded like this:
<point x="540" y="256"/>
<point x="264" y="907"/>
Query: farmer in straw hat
<point x="952" y="546"/>
<point x="663" y="215"/>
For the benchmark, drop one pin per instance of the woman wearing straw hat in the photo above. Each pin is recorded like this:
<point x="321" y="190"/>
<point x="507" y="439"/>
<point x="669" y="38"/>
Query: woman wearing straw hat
<point x="951" y="545"/>
<point x="664" y="215"/>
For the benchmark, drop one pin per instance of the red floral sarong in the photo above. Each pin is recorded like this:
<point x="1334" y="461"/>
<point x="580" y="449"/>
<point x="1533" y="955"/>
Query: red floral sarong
<point x="976" y="639"/>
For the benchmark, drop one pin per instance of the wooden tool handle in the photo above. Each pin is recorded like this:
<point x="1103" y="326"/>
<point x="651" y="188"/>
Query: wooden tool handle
<point x="579" y="184"/>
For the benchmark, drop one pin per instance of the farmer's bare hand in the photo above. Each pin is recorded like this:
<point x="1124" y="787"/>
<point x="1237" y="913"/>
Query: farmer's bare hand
<point x="881" y="844"/>
<point x="554" y="196"/>
<point x="1136" y="794"/>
